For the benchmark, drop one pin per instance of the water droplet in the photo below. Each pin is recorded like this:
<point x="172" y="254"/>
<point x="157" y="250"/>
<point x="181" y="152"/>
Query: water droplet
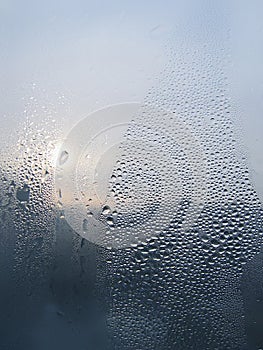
<point x="22" y="194"/>
<point x="106" y="210"/>
<point x="63" y="157"/>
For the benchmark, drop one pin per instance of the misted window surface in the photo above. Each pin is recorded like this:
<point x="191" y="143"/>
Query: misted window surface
<point x="131" y="175"/>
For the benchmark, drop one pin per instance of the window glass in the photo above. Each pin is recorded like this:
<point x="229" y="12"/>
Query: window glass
<point x="131" y="176"/>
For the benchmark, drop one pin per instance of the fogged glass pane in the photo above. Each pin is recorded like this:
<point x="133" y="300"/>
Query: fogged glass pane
<point x="131" y="179"/>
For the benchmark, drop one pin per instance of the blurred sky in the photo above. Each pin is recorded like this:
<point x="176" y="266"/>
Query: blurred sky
<point x="97" y="53"/>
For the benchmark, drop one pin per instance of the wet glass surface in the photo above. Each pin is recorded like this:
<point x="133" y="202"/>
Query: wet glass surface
<point x="131" y="176"/>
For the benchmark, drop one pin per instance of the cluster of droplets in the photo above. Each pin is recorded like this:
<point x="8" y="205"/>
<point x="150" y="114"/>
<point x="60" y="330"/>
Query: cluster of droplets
<point x="160" y="166"/>
<point x="184" y="278"/>
<point x="28" y="172"/>
<point x="180" y="202"/>
<point x="140" y="190"/>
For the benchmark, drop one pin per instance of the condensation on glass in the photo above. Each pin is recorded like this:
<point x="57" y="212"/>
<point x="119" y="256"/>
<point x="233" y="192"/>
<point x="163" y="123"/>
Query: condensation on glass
<point x="131" y="179"/>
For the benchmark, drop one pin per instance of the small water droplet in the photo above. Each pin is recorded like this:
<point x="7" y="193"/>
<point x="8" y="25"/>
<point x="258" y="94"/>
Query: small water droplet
<point x="85" y="225"/>
<point x="110" y="221"/>
<point x="63" y="157"/>
<point x="106" y="210"/>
